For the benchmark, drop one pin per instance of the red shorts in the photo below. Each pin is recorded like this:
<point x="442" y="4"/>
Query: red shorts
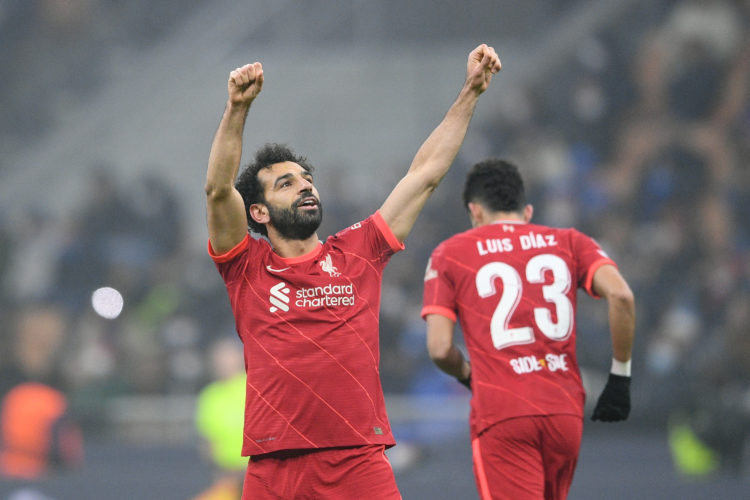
<point x="329" y="473"/>
<point x="527" y="458"/>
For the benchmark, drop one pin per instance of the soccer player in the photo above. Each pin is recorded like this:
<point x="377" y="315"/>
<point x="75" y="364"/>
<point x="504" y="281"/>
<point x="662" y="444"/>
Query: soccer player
<point x="512" y="287"/>
<point x="307" y="311"/>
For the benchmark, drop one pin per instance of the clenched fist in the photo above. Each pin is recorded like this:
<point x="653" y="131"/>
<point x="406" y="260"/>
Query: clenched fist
<point x="245" y="83"/>
<point x="482" y="64"/>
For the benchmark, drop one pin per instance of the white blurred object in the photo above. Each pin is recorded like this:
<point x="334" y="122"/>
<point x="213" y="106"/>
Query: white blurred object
<point x="107" y="302"/>
<point x="28" y="494"/>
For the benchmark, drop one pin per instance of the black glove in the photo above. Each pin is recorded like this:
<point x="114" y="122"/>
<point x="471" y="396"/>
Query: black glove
<point x="614" y="402"/>
<point x="465" y="381"/>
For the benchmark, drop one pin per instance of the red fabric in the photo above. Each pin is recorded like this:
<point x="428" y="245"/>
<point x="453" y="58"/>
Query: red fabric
<point x="311" y="338"/>
<point x="333" y="474"/>
<point x="512" y="286"/>
<point x="527" y="458"/>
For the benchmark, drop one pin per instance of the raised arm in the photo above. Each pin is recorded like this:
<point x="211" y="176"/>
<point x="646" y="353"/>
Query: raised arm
<point x="225" y="210"/>
<point x="436" y="155"/>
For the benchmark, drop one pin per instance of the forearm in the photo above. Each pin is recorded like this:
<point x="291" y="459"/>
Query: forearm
<point x="453" y="363"/>
<point x="622" y="327"/>
<point x="226" y="149"/>
<point x="435" y="156"/>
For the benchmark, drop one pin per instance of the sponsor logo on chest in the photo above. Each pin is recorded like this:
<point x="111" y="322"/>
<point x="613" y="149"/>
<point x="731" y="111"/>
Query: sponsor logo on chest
<point x="330" y="294"/>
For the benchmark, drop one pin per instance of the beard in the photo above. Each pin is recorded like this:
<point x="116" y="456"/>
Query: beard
<point x="295" y="224"/>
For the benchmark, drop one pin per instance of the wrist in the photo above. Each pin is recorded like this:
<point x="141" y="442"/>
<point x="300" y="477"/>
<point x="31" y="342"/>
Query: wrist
<point x="469" y="93"/>
<point x="239" y="107"/>
<point x="620" y="368"/>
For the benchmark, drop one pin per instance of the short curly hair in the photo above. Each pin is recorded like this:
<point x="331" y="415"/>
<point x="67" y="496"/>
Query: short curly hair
<point x="495" y="184"/>
<point x="250" y="186"/>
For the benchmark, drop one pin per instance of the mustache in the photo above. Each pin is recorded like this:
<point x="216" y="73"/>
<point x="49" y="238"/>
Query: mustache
<point x="305" y="195"/>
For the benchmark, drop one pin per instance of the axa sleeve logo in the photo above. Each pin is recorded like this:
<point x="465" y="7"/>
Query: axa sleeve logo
<point x="279" y="297"/>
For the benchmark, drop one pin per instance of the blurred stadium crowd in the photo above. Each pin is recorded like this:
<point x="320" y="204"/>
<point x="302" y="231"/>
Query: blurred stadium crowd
<point x="641" y="139"/>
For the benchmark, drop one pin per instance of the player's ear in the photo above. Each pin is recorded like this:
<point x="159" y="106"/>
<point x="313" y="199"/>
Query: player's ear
<point x="528" y="212"/>
<point x="259" y="213"/>
<point x="476" y="214"/>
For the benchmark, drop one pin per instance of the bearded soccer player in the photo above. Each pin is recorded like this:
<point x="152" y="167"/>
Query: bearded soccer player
<point x="307" y="311"/>
<point x="512" y="287"/>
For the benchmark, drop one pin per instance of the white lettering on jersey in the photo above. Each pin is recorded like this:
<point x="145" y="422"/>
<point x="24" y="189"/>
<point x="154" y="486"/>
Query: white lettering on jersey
<point x="533" y="240"/>
<point x="494" y="245"/>
<point x="526" y="364"/>
<point x="279" y="297"/>
<point x="556" y="362"/>
<point x="530" y="364"/>
<point x="329" y="295"/>
<point x="510" y="294"/>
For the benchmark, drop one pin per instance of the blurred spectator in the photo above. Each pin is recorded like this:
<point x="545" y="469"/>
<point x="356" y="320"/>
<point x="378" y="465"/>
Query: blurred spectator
<point x="36" y="241"/>
<point x="37" y="433"/>
<point x="219" y="418"/>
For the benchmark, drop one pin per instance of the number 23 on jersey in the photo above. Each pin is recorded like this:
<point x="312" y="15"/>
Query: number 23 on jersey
<point x="554" y="293"/>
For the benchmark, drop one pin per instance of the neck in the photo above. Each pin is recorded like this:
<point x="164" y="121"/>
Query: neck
<point x="292" y="248"/>
<point x="499" y="216"/>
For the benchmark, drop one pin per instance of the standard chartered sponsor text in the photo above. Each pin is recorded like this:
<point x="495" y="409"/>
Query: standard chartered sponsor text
<point x="325" y="296"/>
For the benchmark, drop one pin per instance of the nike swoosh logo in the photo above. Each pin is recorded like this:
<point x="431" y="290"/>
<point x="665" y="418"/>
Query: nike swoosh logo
<point x="273" y="270"/>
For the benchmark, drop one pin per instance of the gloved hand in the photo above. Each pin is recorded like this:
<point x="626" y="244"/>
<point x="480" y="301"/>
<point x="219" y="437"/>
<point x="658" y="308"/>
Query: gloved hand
<point x="465" y="381"/>
<point x="614" y="403"/>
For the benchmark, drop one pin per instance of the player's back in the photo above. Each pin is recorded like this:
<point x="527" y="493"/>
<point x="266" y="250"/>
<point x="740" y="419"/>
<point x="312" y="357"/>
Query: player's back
<point x="513" y="288"/>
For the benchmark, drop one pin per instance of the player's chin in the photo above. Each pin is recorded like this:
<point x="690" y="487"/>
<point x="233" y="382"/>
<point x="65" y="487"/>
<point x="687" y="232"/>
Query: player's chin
<point x="310" y="217"/>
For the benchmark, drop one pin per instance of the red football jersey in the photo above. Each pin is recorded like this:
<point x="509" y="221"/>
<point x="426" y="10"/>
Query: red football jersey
<point x="309" y="326"/>
<point x="512" y="287"/>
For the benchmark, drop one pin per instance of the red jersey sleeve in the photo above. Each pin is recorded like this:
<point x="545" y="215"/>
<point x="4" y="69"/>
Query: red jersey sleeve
<point x="590" y="257"/>
<point x="372" y="238"/>
<point x="231" y="264"/>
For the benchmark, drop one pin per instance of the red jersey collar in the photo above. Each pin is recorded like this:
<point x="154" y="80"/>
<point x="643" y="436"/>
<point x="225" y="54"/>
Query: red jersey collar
<point x="508" y="221"/>
<point x="302" y="258"/>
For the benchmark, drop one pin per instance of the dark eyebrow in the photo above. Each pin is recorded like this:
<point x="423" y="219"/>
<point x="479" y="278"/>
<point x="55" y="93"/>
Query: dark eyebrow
<point x="282" y="178"/>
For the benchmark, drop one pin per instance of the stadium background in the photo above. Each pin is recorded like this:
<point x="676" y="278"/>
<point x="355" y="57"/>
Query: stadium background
<point x="629" y="118"/>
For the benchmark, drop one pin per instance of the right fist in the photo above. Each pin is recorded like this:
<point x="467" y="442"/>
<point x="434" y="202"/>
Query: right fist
<point x="483" y="63"/>
<point x="245" y="83"/>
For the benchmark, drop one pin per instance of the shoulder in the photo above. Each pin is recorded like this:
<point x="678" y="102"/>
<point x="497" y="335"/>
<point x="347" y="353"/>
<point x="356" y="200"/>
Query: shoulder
<point x="460" y="240"/>
<point x="566" y="234"/>
<point x="372" y="231"/>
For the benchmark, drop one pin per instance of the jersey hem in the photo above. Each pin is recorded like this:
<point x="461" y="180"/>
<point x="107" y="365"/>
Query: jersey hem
<point x="231" y="254"/>
<point x="440" y="310"/>
<point x="590" y="275"/>
<point x="387" y="232"/>
<point x="387" y="443"/>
